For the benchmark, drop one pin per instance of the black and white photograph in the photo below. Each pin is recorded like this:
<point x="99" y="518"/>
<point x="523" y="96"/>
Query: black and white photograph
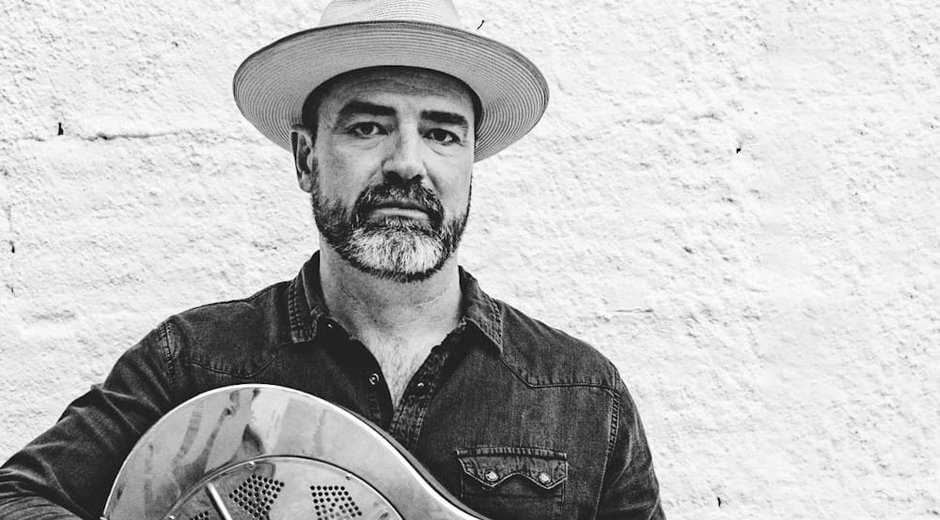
<point x="452" y="260"/>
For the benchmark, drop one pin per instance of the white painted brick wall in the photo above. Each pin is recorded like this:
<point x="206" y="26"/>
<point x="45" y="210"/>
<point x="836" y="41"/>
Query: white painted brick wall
<point x="736" y="201"/>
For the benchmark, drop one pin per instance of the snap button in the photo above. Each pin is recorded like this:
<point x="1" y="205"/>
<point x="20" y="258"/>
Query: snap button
<point x="491" y="476"/>
<point x="544" y="478"/>
<point x="374" y="379"/>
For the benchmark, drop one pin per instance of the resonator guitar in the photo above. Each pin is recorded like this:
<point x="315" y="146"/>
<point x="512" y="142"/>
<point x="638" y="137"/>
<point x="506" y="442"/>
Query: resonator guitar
<point x="263" y="452"/>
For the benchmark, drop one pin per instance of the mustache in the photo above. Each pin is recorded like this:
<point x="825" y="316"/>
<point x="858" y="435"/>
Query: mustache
<point x="395" y="191"/>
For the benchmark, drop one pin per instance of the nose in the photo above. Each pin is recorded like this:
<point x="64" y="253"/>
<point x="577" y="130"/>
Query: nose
<point x="405" y="157"/>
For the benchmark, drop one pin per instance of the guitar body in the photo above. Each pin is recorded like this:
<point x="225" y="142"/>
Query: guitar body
<point x="253" y="452"/>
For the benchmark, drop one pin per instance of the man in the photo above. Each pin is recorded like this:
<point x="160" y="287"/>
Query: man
<point x="385" y="106"/>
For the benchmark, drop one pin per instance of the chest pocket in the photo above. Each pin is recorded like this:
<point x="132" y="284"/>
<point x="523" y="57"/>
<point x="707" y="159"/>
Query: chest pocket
<point x="518" y="483"/>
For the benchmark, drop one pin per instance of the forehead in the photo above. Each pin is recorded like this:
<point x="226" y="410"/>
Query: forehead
<point x="422" y="87"/>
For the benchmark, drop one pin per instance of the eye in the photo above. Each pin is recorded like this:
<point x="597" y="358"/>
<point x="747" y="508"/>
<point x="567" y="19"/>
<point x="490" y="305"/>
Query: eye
<point x="442" y="136"/>
<point x="366" y="129"/>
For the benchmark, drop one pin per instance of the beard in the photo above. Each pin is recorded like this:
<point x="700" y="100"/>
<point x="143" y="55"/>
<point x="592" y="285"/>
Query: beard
<point x="398" y="249"/>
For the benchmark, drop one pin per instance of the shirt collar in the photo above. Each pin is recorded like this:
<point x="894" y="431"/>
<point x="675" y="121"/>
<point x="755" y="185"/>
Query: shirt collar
<point x="306" y="308"/>
<point x="481" y="310"/>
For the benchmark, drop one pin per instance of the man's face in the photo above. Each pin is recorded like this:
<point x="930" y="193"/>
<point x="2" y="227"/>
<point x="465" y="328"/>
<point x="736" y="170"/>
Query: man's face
<point x="389" y="170"/>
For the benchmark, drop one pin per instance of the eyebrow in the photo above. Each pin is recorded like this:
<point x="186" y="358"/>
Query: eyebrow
<point x="355" y="107"/>
<point x="446" y="118"/>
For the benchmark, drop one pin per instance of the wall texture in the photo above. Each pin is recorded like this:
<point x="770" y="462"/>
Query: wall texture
<point x="736" y="201"/>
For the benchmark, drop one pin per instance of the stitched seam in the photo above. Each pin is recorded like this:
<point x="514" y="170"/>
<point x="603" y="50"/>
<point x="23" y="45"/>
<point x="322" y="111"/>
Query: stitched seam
<point x="498" y="329"/>
<point x="614" y="424"/>
<point x="225" y="302"/>
<point x="297" y="329"/>
<point x="490" y="449"/>
<point x="260" y="369"/>
<point x="169" y="360"/>
<point x="516" y="372"/>
<point x="419" y="423"/>
<point x="655" y="507"/>
<point x="611" y="442"/>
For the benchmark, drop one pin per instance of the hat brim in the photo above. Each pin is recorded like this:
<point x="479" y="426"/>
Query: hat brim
<point x="272" y="84"/>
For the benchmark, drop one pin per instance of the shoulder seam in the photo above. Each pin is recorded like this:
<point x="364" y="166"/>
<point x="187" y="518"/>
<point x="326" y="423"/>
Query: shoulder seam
<point x="246" y="299"/>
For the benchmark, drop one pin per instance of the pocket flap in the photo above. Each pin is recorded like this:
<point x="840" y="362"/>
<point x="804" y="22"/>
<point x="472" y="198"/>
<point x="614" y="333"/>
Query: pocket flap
<point x="492" y="465"/>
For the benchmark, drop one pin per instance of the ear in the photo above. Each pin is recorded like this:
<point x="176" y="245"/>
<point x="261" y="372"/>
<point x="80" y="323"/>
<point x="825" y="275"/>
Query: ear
<point x="301" y="142"/>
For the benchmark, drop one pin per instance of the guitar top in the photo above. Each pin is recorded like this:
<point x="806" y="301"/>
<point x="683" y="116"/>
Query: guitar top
<point x="253" y="452"/>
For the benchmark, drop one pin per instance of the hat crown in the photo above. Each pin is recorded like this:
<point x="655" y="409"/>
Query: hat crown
<point x="441" y="12"/>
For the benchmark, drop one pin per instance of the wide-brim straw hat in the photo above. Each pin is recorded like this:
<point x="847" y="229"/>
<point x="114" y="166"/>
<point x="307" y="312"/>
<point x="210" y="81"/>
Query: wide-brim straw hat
<point x="272" y="84"/>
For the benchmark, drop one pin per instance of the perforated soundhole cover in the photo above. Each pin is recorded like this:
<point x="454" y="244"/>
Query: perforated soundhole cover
<point x="256" y="495"/>
<point x="282" y="488"/>
<point x="334" y="503"/>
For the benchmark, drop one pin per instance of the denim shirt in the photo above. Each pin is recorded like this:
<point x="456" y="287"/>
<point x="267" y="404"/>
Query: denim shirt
<point x="518" y="420"/>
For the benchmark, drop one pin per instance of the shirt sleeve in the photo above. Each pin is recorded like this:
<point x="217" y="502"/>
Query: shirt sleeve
<point x="67" y="472"/>
<point x="631" y="491"/>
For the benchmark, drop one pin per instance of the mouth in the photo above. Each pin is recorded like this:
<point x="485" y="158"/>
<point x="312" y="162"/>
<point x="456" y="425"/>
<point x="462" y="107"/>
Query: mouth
<point x="402" y="205"/>
<point x="401" y="209"/>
